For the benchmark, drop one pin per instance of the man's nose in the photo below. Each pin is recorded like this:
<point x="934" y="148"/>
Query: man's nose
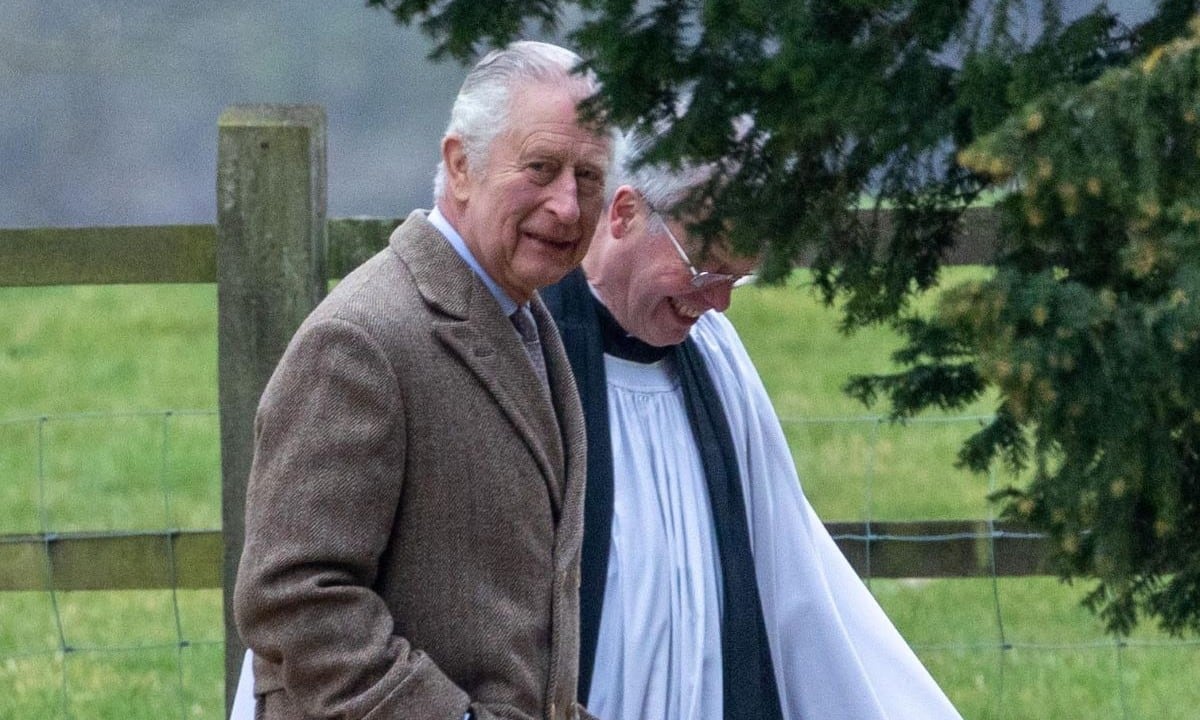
<point x="719" y="295"/>
<point x="564" y="197"/>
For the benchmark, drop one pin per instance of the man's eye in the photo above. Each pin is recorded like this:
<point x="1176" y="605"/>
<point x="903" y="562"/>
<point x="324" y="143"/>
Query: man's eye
<point x="589" y="179"/>
<point x="542" y="171"/>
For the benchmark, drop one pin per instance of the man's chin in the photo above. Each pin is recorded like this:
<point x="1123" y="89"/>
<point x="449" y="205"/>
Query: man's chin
<point x="544" y="273"/>
<point x="666" y="337"/>
<point x="548" y="278"/>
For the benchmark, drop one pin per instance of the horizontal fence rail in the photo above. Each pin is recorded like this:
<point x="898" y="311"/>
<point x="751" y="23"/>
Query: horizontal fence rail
<point x="941" y="548"/>
<point x="192" y="559"/>
<point x="188" y="253"/>
<point x="139" y="254"/>
<point x="111" y="561"/>
<point x="108" y="255"/>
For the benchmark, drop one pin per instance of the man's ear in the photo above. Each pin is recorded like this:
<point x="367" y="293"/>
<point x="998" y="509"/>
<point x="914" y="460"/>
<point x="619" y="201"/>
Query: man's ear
<point x="622" y="210"/>
<point x="454" y="157"/>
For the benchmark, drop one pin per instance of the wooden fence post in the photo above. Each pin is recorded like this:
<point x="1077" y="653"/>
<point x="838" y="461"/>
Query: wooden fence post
<point x="271" y="176"/>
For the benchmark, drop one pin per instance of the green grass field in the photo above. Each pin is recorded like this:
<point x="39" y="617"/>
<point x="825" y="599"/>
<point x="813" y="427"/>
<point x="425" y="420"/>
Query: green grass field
<point x="86" y="371"/>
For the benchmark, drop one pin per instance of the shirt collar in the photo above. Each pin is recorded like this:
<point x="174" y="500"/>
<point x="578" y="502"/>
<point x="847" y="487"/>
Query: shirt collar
<point x="439" y="221"/>
<point x="618" y="341"/>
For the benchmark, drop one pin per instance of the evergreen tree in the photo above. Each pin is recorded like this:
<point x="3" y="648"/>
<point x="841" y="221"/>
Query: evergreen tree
<point x="855" y="132"/>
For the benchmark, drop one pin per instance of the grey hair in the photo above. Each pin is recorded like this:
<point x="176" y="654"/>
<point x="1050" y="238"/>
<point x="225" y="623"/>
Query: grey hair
<point x="480" y="112"/>
<point x="662" y="186"/>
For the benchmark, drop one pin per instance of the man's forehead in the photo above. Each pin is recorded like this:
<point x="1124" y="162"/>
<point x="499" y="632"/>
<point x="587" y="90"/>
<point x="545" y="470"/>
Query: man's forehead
<point x="549" y="127"/>
<point x="541" y="101"/>
<point x="719" y="251"/>
<point x="561" y="138"/>
<point x="717" y="248"/>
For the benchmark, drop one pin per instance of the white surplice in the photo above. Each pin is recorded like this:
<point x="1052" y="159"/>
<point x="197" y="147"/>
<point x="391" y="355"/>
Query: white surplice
<point x="836" y="654"/>
<point x="658" y="654"/>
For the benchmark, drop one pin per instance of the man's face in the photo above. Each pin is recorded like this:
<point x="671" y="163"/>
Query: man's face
<point x="658" y="303"/>
<point x="529" y="214"/>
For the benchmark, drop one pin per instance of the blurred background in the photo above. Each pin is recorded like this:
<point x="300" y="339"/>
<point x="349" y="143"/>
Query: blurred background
<point x="108" y="108"/>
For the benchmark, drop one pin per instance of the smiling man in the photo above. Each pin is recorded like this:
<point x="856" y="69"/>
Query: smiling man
<point x="710" y="589"/>
<point x="414" y="510"/>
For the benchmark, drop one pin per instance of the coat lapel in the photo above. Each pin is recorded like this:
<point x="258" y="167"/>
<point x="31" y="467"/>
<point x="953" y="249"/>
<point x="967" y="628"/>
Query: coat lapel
<point x="566" y="405"/>
<point x="470" y="324"/>
<point x="570" y="302"/>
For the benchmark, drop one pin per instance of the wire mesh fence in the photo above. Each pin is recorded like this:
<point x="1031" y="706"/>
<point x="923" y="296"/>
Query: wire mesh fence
<point x="1002" y="647"/>
<point x="108" y="653"/>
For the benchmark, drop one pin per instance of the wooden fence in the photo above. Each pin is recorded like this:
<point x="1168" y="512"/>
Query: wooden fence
<point x="271" y="253"/>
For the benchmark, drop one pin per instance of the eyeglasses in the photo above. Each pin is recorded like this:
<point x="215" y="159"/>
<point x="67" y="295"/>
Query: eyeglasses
<point x="700" y="278"/>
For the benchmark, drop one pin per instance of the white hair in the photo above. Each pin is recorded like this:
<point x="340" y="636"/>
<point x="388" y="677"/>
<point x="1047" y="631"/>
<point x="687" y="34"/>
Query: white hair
<point x="480" y="112"/>
<point x="661" y="185"/>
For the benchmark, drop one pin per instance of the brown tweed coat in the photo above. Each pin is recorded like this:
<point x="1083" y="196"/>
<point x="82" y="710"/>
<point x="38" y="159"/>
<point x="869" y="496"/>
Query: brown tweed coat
<point x="414" y="511"/>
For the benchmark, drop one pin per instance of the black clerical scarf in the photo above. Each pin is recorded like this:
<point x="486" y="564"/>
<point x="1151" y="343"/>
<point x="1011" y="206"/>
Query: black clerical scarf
<point x="588" y="331"/>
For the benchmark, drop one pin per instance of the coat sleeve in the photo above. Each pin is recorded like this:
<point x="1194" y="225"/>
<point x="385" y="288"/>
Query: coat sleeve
<point x="322" y="498"/>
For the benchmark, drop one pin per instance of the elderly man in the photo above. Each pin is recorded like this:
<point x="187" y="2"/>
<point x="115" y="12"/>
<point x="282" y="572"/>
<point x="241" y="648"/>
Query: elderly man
<point x="710" y="589"/>
<point x="414" y="511"/>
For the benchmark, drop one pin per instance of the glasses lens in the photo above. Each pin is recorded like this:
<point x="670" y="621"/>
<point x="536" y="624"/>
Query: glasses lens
<point x="700" y="279"/>
<point x="709" y="279"/>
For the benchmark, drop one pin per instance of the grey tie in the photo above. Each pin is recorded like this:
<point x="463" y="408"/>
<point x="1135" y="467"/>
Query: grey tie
<point x="522" y="320"/>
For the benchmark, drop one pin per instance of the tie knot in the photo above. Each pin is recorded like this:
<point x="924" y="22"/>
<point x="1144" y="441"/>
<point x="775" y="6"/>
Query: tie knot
<point x="522" y="320"/>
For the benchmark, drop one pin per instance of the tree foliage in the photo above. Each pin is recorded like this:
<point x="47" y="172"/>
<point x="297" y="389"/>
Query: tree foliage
<point x="1086" y="131"/>
<point x="1091" y="329"/>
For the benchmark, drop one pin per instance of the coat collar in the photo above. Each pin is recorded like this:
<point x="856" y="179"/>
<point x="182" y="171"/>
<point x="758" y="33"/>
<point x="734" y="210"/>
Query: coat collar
<point x="471" y="325"/>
